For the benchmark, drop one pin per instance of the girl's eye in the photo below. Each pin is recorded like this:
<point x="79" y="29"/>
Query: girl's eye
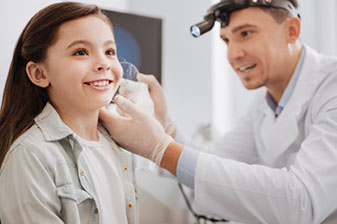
<point x="80" y="52"/>
<point x="111" y="52"/>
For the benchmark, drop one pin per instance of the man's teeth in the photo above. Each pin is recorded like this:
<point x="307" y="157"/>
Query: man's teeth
<point x="245" y="68"/>
<point x="99" y="83"/>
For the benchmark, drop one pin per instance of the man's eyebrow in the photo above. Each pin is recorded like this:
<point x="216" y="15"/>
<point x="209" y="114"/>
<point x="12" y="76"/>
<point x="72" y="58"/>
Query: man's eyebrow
<point x="85" y="42"/>
<point x="239" y="28"/>
<point x="245" y="26"/>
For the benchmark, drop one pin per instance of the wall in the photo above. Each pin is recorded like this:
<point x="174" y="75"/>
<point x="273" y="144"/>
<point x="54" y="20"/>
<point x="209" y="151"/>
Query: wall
<point x="319" y="25"/>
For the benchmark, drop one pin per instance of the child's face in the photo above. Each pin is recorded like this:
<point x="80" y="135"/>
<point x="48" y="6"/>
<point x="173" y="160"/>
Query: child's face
<point x="82" y="65"/>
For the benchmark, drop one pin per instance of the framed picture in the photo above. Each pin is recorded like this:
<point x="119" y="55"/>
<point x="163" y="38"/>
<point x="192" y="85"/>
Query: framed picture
<point x="139" y="41"/>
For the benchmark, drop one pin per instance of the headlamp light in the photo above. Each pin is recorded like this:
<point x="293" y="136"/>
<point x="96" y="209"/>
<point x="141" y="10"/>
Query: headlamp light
<point x="221" y="11"/>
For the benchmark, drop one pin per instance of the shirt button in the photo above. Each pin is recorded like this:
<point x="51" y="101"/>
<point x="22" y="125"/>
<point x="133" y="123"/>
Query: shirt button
<point x="126" y="168"/>
<point x="130" y="205"/>
<point x="82" y="173"/>
<point x="96" y="210"/>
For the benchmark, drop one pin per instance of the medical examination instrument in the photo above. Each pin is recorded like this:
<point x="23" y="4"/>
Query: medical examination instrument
<point x="221" y="12"/>
<point x="130" y="72"/>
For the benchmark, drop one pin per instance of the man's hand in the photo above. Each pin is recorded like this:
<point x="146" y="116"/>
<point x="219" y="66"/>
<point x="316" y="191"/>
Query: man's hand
<point x="138" y="132"/>
<point x="158" y="98"/>
<point x="138" y="93"/>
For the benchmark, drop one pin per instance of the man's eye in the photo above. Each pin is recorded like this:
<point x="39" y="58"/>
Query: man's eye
<point x="111" y="52"/>
<point x="80" y="52"/>
<point x="246" y="33"/>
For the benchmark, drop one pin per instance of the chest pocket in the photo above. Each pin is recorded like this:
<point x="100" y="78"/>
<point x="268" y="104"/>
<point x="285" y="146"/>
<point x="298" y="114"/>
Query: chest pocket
<point x="76" y="195"/>
<point x="77" y="204"/>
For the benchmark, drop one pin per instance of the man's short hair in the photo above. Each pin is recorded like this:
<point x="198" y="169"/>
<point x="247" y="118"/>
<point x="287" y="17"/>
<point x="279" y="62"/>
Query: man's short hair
<point x="280" y="15"/>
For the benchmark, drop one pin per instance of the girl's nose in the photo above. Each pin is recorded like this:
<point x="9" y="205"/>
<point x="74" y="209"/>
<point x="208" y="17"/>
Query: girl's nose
<point x="103" y="68"/>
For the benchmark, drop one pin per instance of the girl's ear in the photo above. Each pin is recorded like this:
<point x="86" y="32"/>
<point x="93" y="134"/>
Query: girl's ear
<point x="36" y="75"/>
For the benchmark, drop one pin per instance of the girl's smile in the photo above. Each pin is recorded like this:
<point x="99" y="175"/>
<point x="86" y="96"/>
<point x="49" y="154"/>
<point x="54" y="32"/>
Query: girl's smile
<point x="81" y="67"/>
<point x="100" y="85"/>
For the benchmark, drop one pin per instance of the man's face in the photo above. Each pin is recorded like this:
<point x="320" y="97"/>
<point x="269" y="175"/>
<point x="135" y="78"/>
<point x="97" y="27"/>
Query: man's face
<point x="257" y="47"/>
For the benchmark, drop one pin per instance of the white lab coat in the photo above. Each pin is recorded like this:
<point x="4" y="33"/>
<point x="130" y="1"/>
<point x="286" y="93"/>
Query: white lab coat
<point x="295" y="180"/>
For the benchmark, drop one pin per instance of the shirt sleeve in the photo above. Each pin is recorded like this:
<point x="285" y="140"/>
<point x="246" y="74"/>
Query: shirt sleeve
<point x="186" y="166"/>
<point x="27" y="191"/>
<point x="238" y="144"/>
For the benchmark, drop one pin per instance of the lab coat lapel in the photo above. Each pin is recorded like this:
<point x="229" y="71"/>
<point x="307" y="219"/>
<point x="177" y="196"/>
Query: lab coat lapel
<point x="284" y="130"/>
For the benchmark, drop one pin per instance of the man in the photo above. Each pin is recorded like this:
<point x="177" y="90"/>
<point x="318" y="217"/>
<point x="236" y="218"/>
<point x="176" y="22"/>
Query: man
<point x="278" y="164"/>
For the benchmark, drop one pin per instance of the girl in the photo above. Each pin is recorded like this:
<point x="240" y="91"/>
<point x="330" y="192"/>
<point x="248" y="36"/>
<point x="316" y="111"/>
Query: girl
<point x="58" y="164"/>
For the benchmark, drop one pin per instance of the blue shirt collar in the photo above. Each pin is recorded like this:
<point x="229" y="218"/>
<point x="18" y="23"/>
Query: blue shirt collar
<point x="289" y="90"/>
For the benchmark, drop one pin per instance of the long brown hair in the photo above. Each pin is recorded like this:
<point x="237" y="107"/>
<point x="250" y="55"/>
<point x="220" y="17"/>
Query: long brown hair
<point x="22" y="101"/>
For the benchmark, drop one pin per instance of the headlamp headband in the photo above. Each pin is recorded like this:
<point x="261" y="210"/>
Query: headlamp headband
<point x="221" y="12"/>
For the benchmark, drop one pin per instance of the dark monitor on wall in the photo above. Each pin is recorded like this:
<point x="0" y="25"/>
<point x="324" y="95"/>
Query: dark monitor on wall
<point x="139" y="41"/>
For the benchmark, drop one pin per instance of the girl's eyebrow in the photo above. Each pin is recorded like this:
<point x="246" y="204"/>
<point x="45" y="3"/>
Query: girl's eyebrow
<point x="85" y="42"/>
<point x="109" y="42"/>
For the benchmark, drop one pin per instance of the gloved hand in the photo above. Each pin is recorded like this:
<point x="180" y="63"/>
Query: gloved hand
<point x="137" y="92"/>
<point x="158" y="98"/>
<point x="138" y="132"/>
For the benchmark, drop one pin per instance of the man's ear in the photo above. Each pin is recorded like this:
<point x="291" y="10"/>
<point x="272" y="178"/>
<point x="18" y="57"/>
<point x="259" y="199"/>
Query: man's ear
<point x="36" y="75"/>
<point x="293" y="31"/>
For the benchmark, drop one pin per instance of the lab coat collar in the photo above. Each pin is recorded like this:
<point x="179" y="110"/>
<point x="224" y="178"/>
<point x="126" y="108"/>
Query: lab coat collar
<point x="283" y="131"/>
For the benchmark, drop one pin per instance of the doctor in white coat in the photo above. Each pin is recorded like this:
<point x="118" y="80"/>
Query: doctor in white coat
<point x="279" y="163"/>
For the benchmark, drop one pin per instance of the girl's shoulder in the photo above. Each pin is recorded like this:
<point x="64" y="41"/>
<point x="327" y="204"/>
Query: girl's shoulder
<point x="33" y="142"/>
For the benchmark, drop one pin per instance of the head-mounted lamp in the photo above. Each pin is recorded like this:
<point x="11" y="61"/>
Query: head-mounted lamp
<point x="221" y="12"/>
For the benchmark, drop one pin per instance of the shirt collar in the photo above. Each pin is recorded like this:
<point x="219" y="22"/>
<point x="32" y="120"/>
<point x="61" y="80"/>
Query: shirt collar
<point x="289" y="90"/>
<point x="51" y="124"/>
<point x="53" y="128"/>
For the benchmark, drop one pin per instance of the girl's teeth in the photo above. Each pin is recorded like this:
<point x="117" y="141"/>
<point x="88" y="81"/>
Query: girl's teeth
<point x="100" y="83"/>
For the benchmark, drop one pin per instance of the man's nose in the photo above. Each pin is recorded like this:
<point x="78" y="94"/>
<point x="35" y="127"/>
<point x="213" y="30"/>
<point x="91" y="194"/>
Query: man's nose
<point x="235" y="51"/>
